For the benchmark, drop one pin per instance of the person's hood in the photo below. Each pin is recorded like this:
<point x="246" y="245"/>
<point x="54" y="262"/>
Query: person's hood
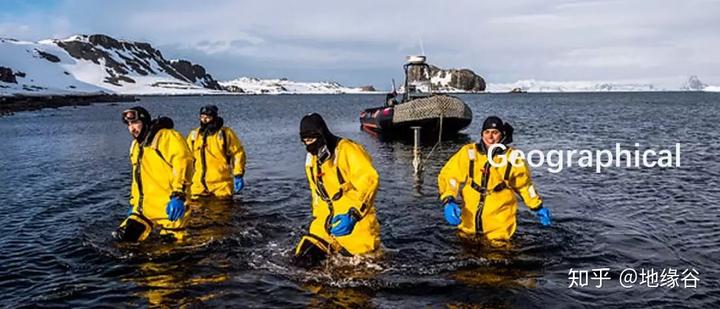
<point x="155" y="126"/>
<point x="212" y="126"/>
<point x="313" y="125"/>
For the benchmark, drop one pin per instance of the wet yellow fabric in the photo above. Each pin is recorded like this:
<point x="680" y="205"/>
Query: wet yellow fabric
<point x="498" y="212"/>
<point x="224" y="158"/>
<point x="358" y="192"/>
<point x="160" y="168"/>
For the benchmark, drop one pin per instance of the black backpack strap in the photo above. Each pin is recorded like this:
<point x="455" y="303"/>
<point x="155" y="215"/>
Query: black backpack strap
<point x="471" y="172"/>
<point x="223" y="138"/>
<point x="504" y="184"/>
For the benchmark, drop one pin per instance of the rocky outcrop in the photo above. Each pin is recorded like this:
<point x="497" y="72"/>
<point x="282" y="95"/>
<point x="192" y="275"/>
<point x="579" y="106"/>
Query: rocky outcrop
<point x="451" y="79"/>
<point x="368" y="88"/>
<point x="233" y="88"/>
<point x="195" y="73"/>
<point x="122" y="58"/>
<point x="12" y="104"/>
<point x="7" y="75"/>
<point x="48" y="56"/>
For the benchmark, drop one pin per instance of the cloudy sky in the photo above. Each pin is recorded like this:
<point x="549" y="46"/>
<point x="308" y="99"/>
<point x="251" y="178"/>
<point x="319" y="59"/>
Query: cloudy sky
<point x="365" y="42"/>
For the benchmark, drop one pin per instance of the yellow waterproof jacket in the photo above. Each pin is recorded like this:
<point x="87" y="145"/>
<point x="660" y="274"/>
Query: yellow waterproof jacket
<point x="346" y="180"/>
<point x="160" y="167"/>
<point x="218" y="157"/>
<point x="489" y="205"/>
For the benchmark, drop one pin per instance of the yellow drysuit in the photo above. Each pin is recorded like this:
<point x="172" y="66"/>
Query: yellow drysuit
<point x="346" y="180"/>
<point x="218" y="157"/>
<point x="489" y="204"/>
<point x="160" y="167"/>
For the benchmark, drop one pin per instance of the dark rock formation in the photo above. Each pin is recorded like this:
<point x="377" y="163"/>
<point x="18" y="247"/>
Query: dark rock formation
<point x="367" y="88"/>
<point x="460" y="79"/>
<point x="48" y="56"/>
<point x="233" y="88"/>
<point x="115" y="80"/>
<point x="12" y="104"/>
<point x="195" y="73"/>
<point x="7" y="75"/>
<point x="122" y="58"/>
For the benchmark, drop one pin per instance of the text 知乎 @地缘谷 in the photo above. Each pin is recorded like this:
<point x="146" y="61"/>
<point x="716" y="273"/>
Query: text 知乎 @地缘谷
<point x="629" y="278"/>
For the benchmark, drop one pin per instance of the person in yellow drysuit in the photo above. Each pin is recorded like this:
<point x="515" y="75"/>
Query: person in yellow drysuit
<point x="161" y="175"/>
<point x="219" y="157"/>
<point x="489" y="204"/>
<point x="343" y="184"/>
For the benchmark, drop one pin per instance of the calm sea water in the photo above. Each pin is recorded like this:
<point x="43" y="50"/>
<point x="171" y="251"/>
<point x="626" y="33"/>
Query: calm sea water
<point x="65" y="181"/>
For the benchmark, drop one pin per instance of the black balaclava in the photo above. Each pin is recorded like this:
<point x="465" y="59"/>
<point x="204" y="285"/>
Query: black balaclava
<point x="144" y="116"/>
<point x="214" y="125"/>
<point x="313" y="126"/>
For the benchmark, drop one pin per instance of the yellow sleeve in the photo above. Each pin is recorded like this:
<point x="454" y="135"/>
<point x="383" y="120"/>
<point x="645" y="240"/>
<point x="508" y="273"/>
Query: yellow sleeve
<point x="175" y="150"/>
<point x="192" y="136"/>
<point x="309" y="166"/>
<point x="361" y="178"/>
<point x="236" y="152"/>
<point x="453" y="175"/>
<point x="132" y="168"/>
<point x="520" y="181"/>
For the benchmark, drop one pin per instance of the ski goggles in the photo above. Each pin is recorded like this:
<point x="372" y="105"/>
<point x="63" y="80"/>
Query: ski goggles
<point x="130" y="115"/>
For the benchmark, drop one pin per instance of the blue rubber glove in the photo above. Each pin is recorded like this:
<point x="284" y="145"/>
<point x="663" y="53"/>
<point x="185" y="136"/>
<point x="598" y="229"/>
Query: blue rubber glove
<point x="175" y="208"/>
<point x="239" y="183"/>
<point x="130" y="211"/>
<point x="452" y="212"/>
<point x="544" y="216"/>
<point x="343" y="224"/>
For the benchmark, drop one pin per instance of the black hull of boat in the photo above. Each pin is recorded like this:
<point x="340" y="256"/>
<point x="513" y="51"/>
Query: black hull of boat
<point x="378" y="122"/>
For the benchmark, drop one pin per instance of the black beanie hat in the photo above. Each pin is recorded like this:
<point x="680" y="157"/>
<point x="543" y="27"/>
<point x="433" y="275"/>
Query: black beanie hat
<point x="493" y="122"/>
<point x="210" y="110"/>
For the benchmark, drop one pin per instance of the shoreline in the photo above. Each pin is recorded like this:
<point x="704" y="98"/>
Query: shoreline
<point x="10" y="105"/>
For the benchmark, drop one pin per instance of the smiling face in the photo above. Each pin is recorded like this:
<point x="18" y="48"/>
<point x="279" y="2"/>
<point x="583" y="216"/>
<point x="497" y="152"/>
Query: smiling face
<point x="491" y="137"/>
<point x="135" y="128"/>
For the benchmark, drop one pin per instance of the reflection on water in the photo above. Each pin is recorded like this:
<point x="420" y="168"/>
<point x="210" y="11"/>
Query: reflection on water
<point x="65" y="188"/>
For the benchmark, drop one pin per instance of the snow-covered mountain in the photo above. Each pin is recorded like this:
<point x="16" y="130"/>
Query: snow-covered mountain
<point x="92" y="64"/>
<point x="96" y="64"/>
<point x="251" y="85"/>
<point x="531" y="85"/>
